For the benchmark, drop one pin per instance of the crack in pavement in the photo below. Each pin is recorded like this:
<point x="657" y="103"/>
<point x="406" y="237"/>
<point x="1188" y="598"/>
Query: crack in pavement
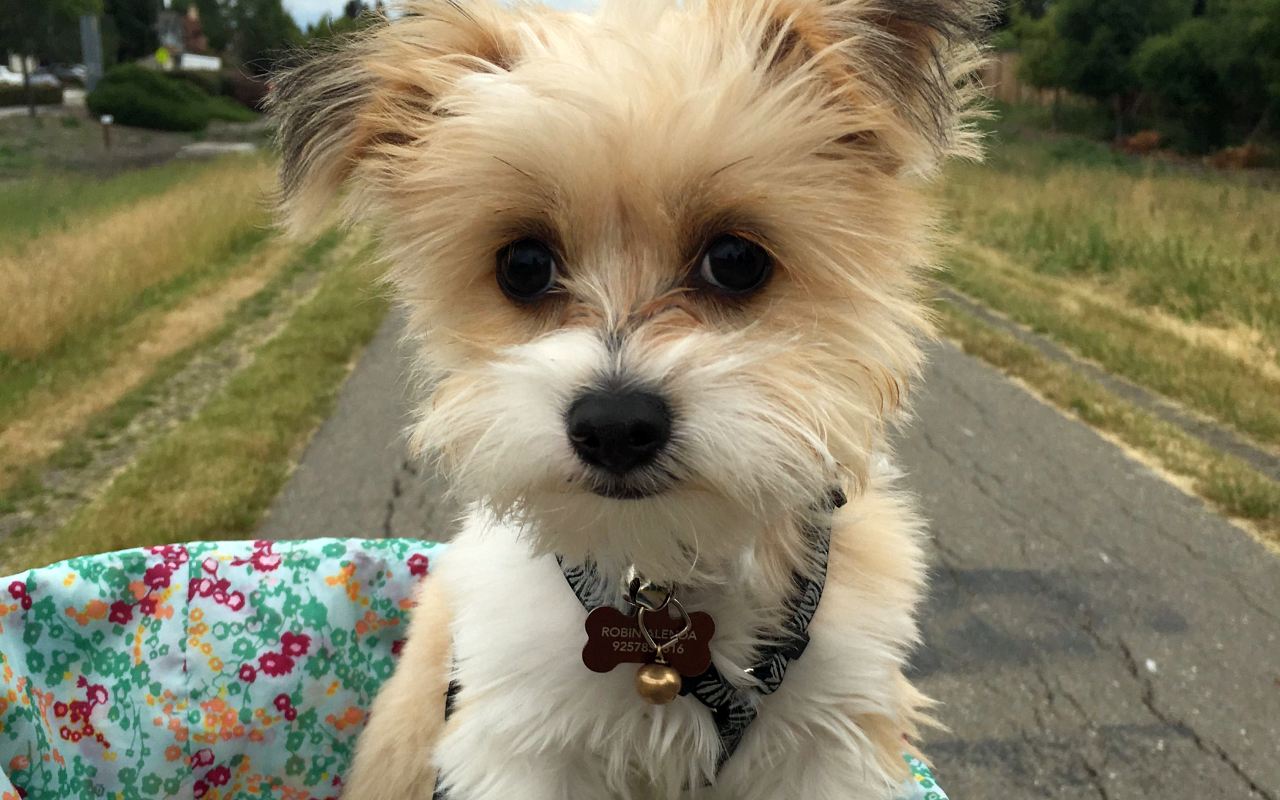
<point x="1201" y="742"/>
<point x="397" y="489"/>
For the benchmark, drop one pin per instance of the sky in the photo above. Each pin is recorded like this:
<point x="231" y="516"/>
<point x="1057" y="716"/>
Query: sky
<point x="307" y="11"/>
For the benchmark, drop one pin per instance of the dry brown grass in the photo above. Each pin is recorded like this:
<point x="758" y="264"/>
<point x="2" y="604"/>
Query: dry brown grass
<point x="1232" y="486"/>
<point x="65" y="282"/>
<point x="51" y="416"/>
<point x="214" y="475"/>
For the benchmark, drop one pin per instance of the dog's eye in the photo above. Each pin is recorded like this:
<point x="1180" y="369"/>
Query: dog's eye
<point x="736" y="265"/>
<point x="526" y="269"/>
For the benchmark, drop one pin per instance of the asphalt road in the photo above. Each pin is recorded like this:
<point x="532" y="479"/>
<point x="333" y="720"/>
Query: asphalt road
<point x="1093" y="632"/>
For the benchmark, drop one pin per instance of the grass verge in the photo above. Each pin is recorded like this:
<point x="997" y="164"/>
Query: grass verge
<point x="60" y="430"/>
<point x="30" y="388"/>
<point x="1228" y="377"/>
<point x="1228" y="483"/>
<point x="54" y="201"/>
<point x="215" y="475"/>
<point x="1165" y="275"/>
<point x="69" y="282"/>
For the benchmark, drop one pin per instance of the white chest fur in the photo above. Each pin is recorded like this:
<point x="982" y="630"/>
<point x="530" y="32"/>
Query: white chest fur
<point x="533" y="723"/>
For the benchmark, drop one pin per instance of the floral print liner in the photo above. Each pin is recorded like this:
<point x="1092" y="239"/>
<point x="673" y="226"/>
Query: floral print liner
<point x="216" y="671"/>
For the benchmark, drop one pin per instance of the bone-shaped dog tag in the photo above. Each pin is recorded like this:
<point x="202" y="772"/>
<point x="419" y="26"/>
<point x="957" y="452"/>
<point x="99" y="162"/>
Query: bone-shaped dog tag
<point x="615" y="638"/>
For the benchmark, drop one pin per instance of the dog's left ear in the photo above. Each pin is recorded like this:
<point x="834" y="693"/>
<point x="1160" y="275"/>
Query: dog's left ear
<point x="902" y="70"/>
<point x="351" y="105"/>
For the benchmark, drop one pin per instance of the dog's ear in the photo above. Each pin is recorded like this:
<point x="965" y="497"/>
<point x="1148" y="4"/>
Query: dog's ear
<point x="902" y="68"/>
<point x="353" y="103"/>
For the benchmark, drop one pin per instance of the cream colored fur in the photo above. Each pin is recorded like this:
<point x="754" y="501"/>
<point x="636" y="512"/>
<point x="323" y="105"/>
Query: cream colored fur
<point x="627" y="141"/>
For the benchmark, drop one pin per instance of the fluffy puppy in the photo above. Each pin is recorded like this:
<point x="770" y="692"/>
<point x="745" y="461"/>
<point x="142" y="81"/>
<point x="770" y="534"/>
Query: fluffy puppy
<point x="662" y="266"/>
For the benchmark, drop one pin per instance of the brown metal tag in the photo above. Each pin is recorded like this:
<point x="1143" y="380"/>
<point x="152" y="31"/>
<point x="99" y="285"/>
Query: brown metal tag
<point x="614" y="638"/>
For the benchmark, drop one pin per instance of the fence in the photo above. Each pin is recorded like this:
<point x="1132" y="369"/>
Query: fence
<point x="1000" y="77"/>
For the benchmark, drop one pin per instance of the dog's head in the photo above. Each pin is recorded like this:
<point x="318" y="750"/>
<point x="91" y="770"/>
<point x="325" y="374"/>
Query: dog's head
<point x="662" y="263"/>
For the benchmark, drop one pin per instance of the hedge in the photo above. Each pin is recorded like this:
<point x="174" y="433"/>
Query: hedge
<point x="146" y="98"/>
<point x="17" y="95"/>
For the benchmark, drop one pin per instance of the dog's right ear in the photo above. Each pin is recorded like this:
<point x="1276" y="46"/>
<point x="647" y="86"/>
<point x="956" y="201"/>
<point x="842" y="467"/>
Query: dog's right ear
<point x="348" y="106"/>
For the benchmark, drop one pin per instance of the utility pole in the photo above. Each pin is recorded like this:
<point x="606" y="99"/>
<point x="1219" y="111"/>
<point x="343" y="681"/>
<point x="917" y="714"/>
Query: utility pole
<point x="91" y="50"/>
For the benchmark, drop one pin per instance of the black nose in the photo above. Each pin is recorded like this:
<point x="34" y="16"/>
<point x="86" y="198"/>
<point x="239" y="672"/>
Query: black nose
<point x="619" y="431"/>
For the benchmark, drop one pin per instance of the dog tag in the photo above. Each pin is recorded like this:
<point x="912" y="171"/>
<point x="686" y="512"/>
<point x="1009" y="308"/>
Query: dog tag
<point x="615" y="638"/>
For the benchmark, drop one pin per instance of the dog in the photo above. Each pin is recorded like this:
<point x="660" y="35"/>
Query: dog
<point x="663" y="269"/>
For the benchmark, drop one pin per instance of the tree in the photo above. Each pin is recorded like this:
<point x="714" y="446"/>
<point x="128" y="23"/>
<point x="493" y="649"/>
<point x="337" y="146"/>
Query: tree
<point x="134" y="22"/>
<point x="1097" y="41"/>
<point x="40" y="29"/>
<point x="1177" y="71"/>
<point x="1044" y="62"/>
<point x="1216" y="73"/>
<point x="355" y="16"/>
<point x="263" y="30"/>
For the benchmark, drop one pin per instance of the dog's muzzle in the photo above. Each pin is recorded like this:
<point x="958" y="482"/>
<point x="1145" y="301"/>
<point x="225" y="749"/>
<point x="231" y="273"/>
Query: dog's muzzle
<point x="619" y="432"/>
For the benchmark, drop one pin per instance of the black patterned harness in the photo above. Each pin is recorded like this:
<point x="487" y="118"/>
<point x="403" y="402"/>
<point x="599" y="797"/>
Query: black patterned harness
<point x="733" y="709"/>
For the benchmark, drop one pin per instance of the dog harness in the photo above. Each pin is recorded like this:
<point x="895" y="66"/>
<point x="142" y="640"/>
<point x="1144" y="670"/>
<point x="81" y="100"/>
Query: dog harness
<point x="732" y="708"/>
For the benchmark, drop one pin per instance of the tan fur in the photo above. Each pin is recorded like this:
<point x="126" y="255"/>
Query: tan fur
<point x="627" y="144"/>
<point x="393" y="760"/>
<point x="877" y="562"/>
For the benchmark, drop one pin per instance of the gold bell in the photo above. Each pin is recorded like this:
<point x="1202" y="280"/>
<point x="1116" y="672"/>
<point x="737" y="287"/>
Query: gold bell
<point x="658" y="684"/>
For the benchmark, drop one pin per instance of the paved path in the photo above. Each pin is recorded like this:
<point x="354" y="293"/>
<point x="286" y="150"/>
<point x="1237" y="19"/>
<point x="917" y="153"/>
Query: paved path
<point x="1093" y="632"/>
<point x="356" y="478"/>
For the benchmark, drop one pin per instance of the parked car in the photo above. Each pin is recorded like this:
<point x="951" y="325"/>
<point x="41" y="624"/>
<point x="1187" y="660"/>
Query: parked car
<point x="43" y="77"/>
<point x="70" y="73"/>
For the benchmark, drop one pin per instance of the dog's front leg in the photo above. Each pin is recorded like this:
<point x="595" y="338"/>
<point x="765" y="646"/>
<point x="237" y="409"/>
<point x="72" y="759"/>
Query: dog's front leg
<point x="394" y="756"/>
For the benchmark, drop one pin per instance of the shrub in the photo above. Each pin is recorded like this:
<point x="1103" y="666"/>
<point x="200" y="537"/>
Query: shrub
<point x="247" y="90"/>
<point x="1177" y="71"/>
<point x="17" y="95"/>
<point x="208" y="82"/>
<point x="148" y="99"/>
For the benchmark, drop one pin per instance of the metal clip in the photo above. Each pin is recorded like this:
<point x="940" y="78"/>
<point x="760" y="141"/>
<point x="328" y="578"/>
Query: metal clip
<point x="660" y="649"/>
<point x="644" y="594"/>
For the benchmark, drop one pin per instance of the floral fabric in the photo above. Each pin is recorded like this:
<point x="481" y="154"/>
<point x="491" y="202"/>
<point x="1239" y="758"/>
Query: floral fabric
<point x="233" y="671"/>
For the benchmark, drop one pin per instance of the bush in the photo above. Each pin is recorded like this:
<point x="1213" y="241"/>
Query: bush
<point x="1177" y="71"/>
<point x="247" y="90"/>
<point x="17" y="95"/>
<point x="208" y="82"/>
<point x="148" y="99"/>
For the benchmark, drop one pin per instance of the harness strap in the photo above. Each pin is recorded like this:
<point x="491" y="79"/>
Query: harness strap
<point x="732" y="709"/>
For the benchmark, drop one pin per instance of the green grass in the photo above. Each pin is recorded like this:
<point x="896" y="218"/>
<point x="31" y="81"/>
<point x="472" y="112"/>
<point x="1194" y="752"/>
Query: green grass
<point x="1165" y="275"/>
<point x="46" y="202"/>
<point x="1200" y="376"/>
<point x="87" y="353"/>
<point x="1228" y="483"/>
<point x="77" y="450"/>
<point x="1204" y="247"/>
<point x="215" y="475"/>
